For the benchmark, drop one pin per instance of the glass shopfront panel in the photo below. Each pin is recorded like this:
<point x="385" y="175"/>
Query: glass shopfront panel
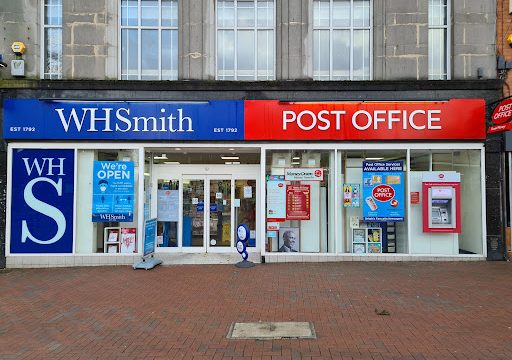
<point x="300" y="201"/>
<point x="373" y="216"/>
<point x="106" y="201"/>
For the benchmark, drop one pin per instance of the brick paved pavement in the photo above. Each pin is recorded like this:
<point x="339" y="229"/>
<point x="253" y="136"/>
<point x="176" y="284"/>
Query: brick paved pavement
<point x="438" y="311"/>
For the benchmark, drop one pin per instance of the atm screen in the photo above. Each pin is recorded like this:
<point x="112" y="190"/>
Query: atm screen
<point x="440" y="201"/>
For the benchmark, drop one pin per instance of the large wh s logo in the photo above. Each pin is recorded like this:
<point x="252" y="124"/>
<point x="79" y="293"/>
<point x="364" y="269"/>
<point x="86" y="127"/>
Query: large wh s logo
<point x="40" y="206"/>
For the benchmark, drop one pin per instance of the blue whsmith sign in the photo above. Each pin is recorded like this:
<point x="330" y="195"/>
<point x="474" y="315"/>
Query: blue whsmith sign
<point x="59" y="120"/>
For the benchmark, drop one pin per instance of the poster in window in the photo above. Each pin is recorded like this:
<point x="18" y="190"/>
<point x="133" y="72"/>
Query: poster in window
<point x="383" y="191"/>
<point x="113" y="191"/>
<point x="298" y="202"/>
<point x="167" y="207"/>
<point x="276" y="198"/>
<point x="289" y="239"/>
<point x="351" y="195"/>
<point x="128" y="240"/>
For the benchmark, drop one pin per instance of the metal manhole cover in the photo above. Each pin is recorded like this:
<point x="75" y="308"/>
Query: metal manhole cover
<point x="272" y="330"/>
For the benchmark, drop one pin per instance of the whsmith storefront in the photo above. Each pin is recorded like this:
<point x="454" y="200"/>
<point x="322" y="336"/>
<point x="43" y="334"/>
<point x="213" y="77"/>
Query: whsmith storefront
<point x="313" y="180"/>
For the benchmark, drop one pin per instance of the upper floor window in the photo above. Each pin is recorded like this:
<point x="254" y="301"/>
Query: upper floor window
<point x="342" y="39"/>
<point x="245" y="40"/>
<point x="149" y="39"/>
<point x="438" y="38"/>
<point x="52" y="40"/>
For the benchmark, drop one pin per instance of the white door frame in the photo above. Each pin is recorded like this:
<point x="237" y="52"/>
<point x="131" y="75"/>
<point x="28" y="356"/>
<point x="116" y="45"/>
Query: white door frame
<point x="205" y="173"/>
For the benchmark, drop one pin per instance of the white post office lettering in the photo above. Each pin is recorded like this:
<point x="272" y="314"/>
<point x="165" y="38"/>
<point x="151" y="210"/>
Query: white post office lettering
<point x="311" y="118"/>
<point x="122" y="122"/>
<point x="416" y="119"/>
<point x="362" y="120"/>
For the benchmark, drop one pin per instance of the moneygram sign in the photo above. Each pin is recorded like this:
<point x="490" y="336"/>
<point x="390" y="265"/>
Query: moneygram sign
<point x="501" y="117"/>
<point x="304" y="174"/>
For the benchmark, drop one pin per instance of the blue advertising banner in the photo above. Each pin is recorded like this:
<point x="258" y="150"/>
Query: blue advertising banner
<point x="42" y="201"/>
<point x="383" y="191"/>
<point x="113" y="191"/>
<point x="211" y="120"/>
<point x="149" y="236"/>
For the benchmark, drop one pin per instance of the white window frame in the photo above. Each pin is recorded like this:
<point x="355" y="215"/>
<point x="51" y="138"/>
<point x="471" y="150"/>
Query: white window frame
<point x="448" y="45"/>
<point x="44" y="26"/>
<point x="148" y="47"/>
<point x="350" y="28"/>
<point x="255" y="29"/>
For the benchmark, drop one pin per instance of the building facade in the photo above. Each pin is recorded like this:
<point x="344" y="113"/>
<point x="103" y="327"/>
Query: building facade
<point x="334" y="130"/>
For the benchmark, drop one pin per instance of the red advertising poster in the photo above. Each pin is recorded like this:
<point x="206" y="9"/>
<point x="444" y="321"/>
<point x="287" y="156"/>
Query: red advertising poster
<point x="298" y="202"/>
<point x="415" y="197"/>
<point x="414" y="120"/>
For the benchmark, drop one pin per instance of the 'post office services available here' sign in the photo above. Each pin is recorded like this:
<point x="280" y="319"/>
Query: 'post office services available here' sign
<point x="383" y="191"/>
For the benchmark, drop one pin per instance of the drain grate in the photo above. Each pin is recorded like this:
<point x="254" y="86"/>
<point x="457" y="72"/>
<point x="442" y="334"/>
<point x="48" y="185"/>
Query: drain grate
<point x="272" y="330"/>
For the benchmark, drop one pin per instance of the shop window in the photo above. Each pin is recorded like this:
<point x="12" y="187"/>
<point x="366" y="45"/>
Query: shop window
<point x="465" y="167"/>
<point x="106" y="210"/>
<point x="245" y="207"/>
<point x="438" y="40"/>
<point x="245" y="40"/>
<point x="52" y="40"/>
<point x="373" y="219"/>
<point x="342" y="39"/>
<point x="149" y="39"/>
<point x="300" y="201"/>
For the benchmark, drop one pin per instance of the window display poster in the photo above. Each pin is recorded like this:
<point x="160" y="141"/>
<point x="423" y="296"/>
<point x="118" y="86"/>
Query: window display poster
<point x="42" y="200"/>
<point x="289" y="239"/>
<point x="113" y="191"/>
<point x="383" y="191"/>
<point x="276" y="199"/>
<point x="128" y="240"/>
<point x="298" y="202"/>
<point x="168" y="205"/>
<point x="351" y="195"/>
<point x="247" y="192"/>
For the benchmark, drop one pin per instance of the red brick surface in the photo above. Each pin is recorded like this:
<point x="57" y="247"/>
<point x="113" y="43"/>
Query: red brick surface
<point x="438" y="311"/>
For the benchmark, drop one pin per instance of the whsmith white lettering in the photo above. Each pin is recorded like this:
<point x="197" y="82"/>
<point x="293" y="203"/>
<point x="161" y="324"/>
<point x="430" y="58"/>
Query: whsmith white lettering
<point x="90" y="119"/>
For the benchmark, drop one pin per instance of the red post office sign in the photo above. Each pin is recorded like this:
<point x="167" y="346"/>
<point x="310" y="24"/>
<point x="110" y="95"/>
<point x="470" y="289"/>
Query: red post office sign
<point x="456" y="119"/>
<point x="501" y="117"/>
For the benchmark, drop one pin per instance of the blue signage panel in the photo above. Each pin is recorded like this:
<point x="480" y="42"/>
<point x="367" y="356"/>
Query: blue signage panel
<point x="149" y="236"/>
<point x="113" y="191"/>
<point x="42" y="201"/>
<point x="383" y="191"/>
<point x="212" y="120"/>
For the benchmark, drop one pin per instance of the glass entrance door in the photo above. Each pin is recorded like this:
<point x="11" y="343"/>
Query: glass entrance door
<point x="207" y="220"/>
<point x="194" y="205"/>
<point x="220" y="229"/>
<point x="199" y="212"/>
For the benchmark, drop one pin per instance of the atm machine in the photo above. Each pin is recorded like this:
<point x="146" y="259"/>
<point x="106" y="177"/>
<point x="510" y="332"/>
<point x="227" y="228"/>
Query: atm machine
<point x="441" y="211"/>
<point x="442" y="207"/>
